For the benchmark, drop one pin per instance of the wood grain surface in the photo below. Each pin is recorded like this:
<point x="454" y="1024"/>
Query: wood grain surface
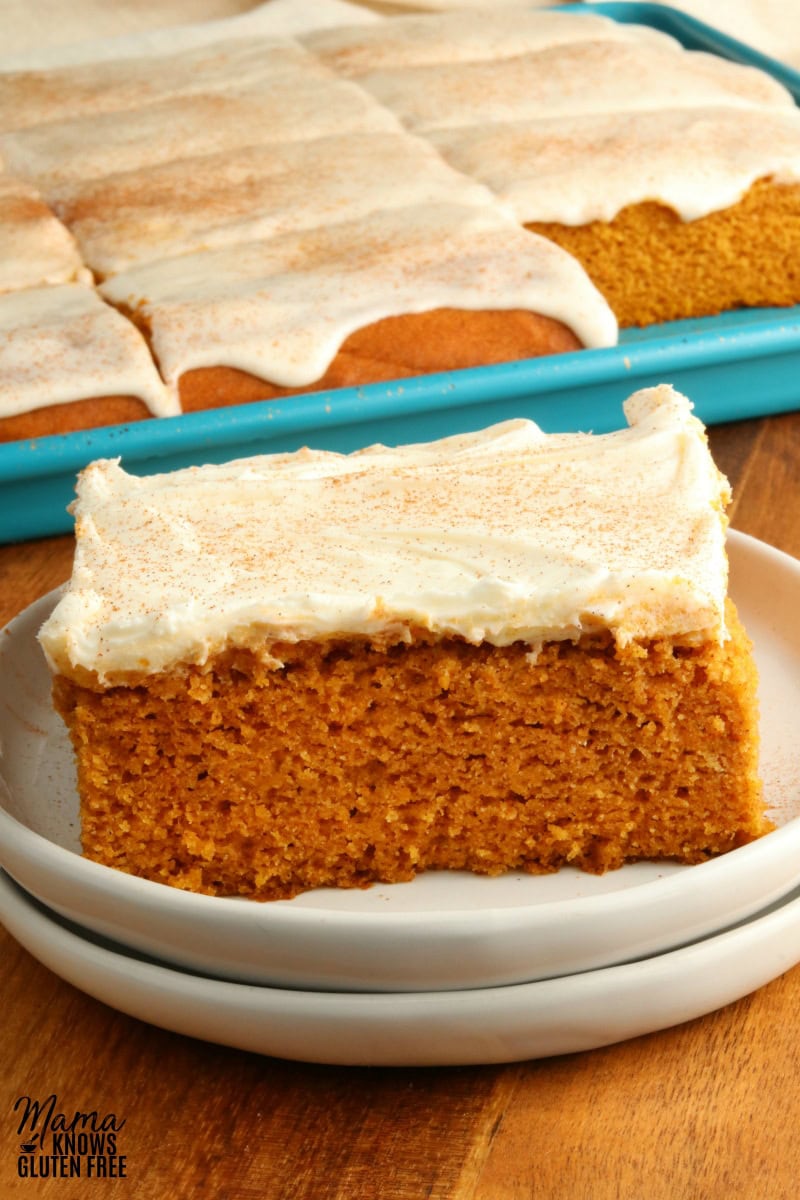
<point x="706" y="1110"/>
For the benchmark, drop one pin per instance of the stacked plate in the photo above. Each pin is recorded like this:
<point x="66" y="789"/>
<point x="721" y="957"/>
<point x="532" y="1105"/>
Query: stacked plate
<point x="449" y="969"/>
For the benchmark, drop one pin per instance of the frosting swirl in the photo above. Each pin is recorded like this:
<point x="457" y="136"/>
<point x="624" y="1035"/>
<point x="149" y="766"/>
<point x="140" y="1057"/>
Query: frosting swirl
<point x="505" y="535"/>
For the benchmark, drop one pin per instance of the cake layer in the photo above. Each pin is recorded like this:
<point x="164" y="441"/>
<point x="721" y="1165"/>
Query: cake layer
<point x="444" y="339"/>
<point x="69" y="416"/>
<point x="356" y="762"/>
<point x="651" y="266"/>
<point x="508" y="535"/>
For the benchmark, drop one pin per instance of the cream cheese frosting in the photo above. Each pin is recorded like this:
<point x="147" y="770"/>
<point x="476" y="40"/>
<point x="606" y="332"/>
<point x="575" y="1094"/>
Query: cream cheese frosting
<point x="63" y="343"/>
<point x="233" y="193"/>
<point x="252" y="194"/>
<point x="467" y="36"/>
<point x="102" y="41"/>
<point x="34" y="97"/>
<point x="695" y="160"/>
<point x="280" y="309"/>
<point x="287" y="106"/>
<point x="35" y="248"/>
<point x="567" y="80"/>
<point x="504" y="535"/>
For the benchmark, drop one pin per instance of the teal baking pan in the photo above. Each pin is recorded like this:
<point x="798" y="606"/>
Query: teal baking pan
<point x="737" y="365"/>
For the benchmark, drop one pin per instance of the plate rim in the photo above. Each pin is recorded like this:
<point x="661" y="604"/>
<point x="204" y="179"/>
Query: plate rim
<point x="478" y="1026"/>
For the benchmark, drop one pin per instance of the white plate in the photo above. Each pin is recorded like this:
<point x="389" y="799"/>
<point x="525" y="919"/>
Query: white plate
<point x="444" y="930"/>
<point x="486" y="1025"/>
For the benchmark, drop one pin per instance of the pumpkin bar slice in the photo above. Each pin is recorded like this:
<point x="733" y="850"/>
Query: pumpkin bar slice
<point x="503" y="651"/>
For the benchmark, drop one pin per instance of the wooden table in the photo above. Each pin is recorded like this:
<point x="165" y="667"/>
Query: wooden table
<point x="707" y="1110"/>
